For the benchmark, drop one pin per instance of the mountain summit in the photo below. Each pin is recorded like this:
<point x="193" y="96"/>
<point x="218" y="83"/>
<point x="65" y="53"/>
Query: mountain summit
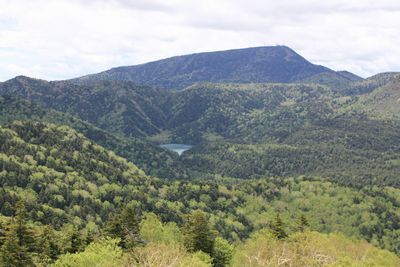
<point x="278" y="64"/>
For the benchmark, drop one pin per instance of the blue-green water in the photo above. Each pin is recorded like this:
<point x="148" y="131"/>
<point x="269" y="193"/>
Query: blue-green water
<point x="178" y="148"/>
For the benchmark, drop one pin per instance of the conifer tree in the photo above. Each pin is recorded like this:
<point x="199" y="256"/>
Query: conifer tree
<point x="47" y="245"/>
<point x="278" y="228"/>
<point x="76" y="241"/>
<point x="197" y="232"/>
<point x="222" y="253"/>
<point x="126" y="227"/>
<point x="302" y="223"/>
<point x="19" y="239"/>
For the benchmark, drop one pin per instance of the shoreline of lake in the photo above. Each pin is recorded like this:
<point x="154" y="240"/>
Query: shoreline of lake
<point x="177" y="148"/>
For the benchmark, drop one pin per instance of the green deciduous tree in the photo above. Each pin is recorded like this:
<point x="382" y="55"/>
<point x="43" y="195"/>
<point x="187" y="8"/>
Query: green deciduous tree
<point x="102" y="253"/>
<point x="152" y="230"/>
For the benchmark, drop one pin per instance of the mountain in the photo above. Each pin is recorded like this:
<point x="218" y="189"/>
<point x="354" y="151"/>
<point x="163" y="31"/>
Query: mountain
<point x="349" y="75"/>
<point x="128" y="110"/>
<point x="277" y="64"/>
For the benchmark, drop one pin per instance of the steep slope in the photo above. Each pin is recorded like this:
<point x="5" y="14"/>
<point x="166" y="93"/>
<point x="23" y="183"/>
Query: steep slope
<point x="256" y="65"/>
<point x="152" y="159"/>
<point x="121" y="108"/>
<point x="61" y="172"/>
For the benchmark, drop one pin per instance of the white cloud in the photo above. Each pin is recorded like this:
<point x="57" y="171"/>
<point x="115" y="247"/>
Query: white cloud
<point x="67" y="38"/>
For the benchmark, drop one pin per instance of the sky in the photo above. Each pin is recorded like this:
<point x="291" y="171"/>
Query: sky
<point x="62" y="39"/>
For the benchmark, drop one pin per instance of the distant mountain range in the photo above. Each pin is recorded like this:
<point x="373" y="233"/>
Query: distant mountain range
<point x="270" y="64"/>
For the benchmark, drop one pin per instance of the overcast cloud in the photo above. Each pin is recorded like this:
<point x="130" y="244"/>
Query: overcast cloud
<point x="64" y="39"/>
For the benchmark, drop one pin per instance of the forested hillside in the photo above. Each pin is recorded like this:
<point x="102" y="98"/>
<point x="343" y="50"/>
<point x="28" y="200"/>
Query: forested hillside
<point x="74" y="189"/>
<point x="151" y="158"/>
<point x="123" y="108"/>
<point x="346" y="134"/>
<point x="347" y="150"/>
<point x="252" y="111"/>
<point x="383" y="102"/>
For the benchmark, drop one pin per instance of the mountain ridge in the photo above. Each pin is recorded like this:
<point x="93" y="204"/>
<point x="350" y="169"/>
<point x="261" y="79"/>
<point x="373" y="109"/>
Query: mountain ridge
<point x="255" y="64"/>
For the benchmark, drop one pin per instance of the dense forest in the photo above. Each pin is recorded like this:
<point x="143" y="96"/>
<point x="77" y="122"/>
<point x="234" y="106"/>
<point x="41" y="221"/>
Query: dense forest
<point x="149" y="157"/>
<point x="239" y="130"/>
<point x="303" y="171"/>
<point x="57" y="183"/>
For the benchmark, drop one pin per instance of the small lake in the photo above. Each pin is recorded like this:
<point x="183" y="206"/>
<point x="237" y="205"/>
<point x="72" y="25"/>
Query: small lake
<point x="178" y="148"/>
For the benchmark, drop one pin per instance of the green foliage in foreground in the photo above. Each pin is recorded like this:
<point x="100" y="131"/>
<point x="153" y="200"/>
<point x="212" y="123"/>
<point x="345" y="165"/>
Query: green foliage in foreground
<point x="104" y="252"/>
<point x="222" y="253"/>
<point x="18" y="242"/>
<point x="262" y="249"/>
